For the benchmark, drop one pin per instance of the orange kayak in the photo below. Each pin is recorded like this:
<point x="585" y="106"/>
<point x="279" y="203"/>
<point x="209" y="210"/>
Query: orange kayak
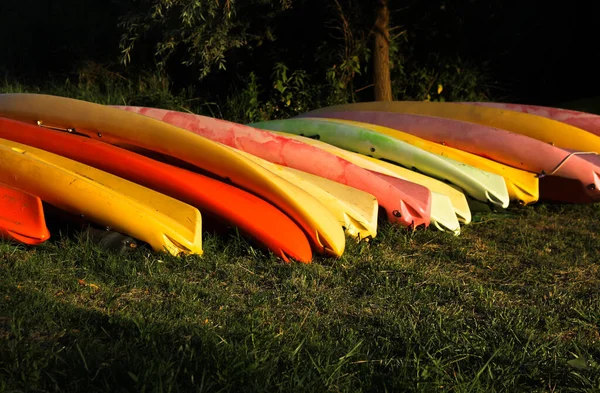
<point x="22" y="217"/>
<point x="269" y="226"/>
<point x="141" y="133"/>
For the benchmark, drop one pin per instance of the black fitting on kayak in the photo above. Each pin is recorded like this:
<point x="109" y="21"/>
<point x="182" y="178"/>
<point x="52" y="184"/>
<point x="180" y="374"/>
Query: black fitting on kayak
<point x="316" y="136"/>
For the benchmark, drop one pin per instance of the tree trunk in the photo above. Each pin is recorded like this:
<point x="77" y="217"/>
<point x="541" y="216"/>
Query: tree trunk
<point x="381" y="54"/>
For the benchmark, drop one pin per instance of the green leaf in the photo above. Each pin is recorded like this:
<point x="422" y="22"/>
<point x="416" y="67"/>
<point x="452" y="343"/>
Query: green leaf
<point x="132" y="376"/>
<point x="579" y="364"/>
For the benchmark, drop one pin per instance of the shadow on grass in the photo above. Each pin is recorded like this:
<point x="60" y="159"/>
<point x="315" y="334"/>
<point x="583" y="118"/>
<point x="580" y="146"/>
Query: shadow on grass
<point x="507" y="306"/>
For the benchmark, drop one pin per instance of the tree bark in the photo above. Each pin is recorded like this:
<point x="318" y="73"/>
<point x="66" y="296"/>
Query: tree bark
<point x="381" y="54"/>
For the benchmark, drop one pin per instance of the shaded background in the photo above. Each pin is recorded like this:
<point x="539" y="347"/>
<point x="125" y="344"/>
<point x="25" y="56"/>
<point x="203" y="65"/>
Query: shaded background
<point x="531" y="52"/>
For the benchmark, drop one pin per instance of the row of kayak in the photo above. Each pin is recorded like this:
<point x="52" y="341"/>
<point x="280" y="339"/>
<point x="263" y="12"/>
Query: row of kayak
<point x="296" y="187"/>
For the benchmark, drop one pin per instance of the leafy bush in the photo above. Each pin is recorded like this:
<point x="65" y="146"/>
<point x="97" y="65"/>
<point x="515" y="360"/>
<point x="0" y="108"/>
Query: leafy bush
<point x="445" y="80"/>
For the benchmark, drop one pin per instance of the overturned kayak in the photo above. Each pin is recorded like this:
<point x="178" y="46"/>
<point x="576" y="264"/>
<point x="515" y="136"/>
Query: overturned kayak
<point x="355" y="210"/>
<point x="481" y="185"/>
<point x="449" y="206"/>
<point x="586" y="121"/>
<point x="401" y="206"/>
<point x="563" y="177"/>
<point x="166" y="224"/>
<point x="547" y="130"/>
<point x="131" y="130"/>
<point x="267" y="225"/>
<point x="22" y="217"/>
<point x="522" y="186"/>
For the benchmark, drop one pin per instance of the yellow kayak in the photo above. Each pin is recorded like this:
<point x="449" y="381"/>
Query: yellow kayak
<point x="159" y="220"/>
<point x="541" y="128"/>
<point x="135" y="131"/>
<point x="458" y="200"/>
<point x="523" y="187"/>
<point x="355" y="209"/>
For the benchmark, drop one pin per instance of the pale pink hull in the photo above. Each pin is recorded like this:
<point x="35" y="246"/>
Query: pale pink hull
<point x="406" y="203"/>
<point x="586" y="121"/>
<point x="506" y="147"/>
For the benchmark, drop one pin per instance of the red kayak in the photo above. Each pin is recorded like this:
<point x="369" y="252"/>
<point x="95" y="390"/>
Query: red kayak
<point x="406" y="203"/>
<point x="586" y="121"/>
<point x="254" y="216"/>
<point x="22" y="217"/>
<point x="563" y="177"/>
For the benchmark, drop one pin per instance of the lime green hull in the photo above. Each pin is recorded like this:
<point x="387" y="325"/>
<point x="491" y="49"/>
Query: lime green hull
<point x="479" y="184"/>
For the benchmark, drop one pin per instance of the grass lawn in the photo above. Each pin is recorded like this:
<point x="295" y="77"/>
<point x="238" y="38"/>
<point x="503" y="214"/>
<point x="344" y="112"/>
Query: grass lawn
<point x="512" y="304"/>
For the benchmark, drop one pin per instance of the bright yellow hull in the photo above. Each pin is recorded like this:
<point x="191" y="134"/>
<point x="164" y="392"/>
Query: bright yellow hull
<point x="161" y="221"/>
<point x="355" y="209"/>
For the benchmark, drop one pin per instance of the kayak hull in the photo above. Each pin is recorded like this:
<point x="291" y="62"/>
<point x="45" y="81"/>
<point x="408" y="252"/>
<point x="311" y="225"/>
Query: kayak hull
<point x="512" y="149"/>
<point x="442" y="214"/>
<point x="400" y="206"/>
<point x="481" y="185"/>
<point x="457" y="198"/>
<point x="586" y="121"/>
<point x="119" y="127"/>
<point x="270" y="227"/>
<point x="547" y="130"/>
<point x="355" y="210"/>
<point x="166" y="224"/>
<point x="22" y="217"/>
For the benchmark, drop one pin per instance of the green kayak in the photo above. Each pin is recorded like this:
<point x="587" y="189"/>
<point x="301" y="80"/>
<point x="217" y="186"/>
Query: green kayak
<point x="481" y="185"/>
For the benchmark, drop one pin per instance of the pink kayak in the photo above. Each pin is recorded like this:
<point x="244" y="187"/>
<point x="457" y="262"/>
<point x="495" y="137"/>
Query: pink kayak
<point x="406" y="203"/>
<point x="586" y="121"/>
<point x="564" y="177"/>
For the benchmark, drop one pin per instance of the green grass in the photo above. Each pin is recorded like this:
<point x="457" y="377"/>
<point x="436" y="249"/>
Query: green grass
<point x="512" y="305"/>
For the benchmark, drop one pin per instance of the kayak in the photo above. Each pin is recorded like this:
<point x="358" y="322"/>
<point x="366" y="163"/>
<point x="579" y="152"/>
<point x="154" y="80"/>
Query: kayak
<point x="481" y="185"/>
<point x="457" y="198"/>
<point x="556" y="133"/>
<point x="442" y="213"/>
<point x="355" y="210"/>
<point x="122" y="128"/>
<point x="164" y="223"/>
<point x="263" y="222"/>
<point x="577" y="177"/>
<point x="22" y="217"/>
<point x="522" y="186"/>
<point x="444" y="216"/>
<point x="400" y="204"/>
<point x="589" y="122"/>
<point x="586" y="121"/>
